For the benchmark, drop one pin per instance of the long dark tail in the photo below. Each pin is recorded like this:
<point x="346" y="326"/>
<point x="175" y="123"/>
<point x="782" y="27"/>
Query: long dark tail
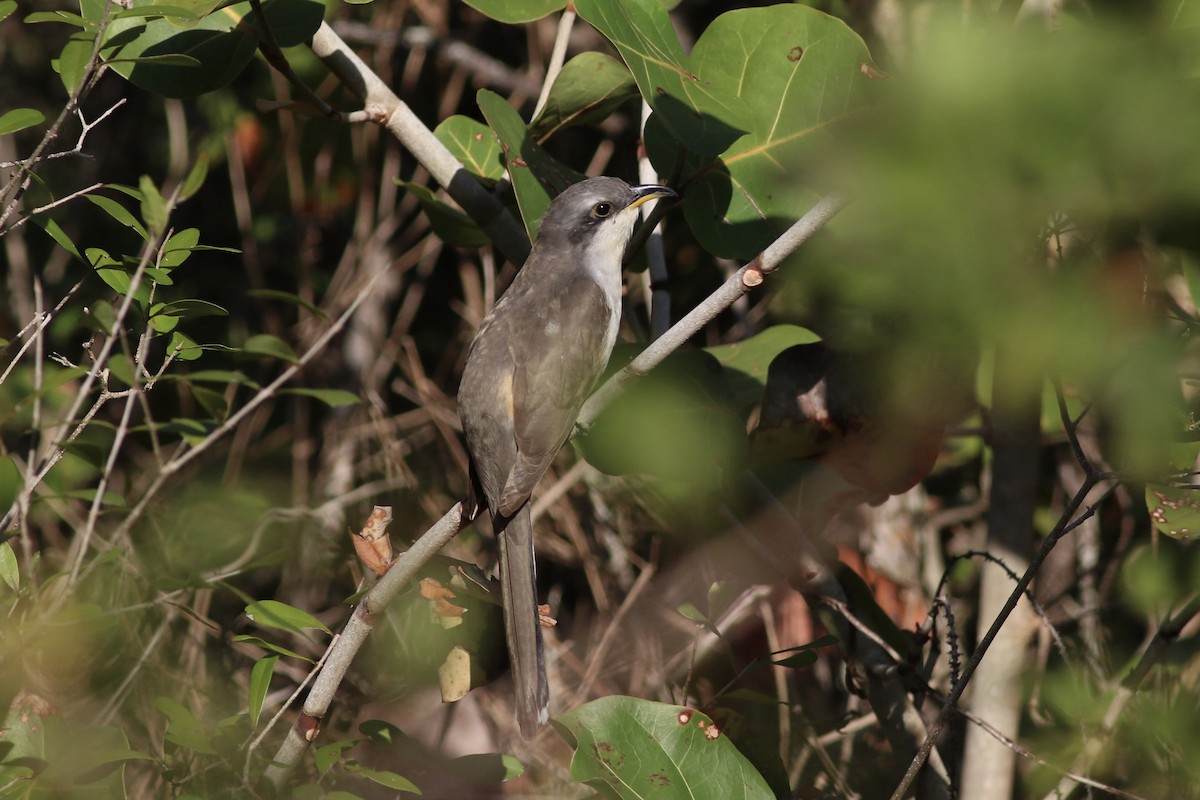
<point x="518" y="584"/>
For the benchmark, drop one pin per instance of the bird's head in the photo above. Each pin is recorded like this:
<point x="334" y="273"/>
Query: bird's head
<point x="596" y="216"/>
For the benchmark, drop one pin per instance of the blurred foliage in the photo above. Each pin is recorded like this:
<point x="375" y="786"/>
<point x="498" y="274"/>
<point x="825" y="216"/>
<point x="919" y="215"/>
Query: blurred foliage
<point x="175" y="551"/>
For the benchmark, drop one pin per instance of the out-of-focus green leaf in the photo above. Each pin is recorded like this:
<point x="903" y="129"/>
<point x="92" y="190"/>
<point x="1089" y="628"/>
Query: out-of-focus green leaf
<point x="589" y="88"/>
<point x="485" y="767"/>
<point x="195" y="178"/>
<point x="7" y="7"/>
<point x="193" y="308"/>
<point x="260" y="682"/>
<point x="474" y="144"/>
<point x="384" y="778"/>
<point x="1174" y="511"/>
<point x="327" y="755"/>
<point x="264" y="344"/>
<point x="629" y="748"/>
<point x="10" y="573"/>
<point x="333" y="398"/>
<point x="18" y="119"/>
<point x="274" y="614"/>
<point x="288" y="297"/>
<point x="185" y="729"/>
<point x="679" y="422"/>
<point x="516" y="12"/>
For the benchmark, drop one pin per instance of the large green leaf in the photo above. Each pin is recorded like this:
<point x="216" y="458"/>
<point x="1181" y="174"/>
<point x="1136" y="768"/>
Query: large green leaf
<point x="797" y="73"/>
<point x="517" y="11"/>
<point x="214" y="48"/>
<point x="19" y="119"/>
<point x="629" y="748"/>
<point x="589" y="88"/>
<point x="536" y="176"/>
<point x="695" y="110"/>
<point x="746" y="362"/>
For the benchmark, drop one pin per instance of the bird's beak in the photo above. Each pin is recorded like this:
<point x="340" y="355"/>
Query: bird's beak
<point x="650" y="191"/>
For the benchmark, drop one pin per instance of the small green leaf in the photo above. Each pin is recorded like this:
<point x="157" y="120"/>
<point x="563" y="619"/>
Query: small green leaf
<point x="183" y="348"/>
<point x="260" y="682"/>
<point x="692" y="613"/>
<point x="381" y="732"/>
<point x="116" y="278"/>
<point x="154" y="205"/>
<point x="384" y="778"/>
<point x="330" y="397"/>
<point x="288" y="297"/>
<point x="7" y="7"/>
<point x="10" y="573"/>
<point x="57" y="16"/>
<point x="474" y="144"/>
<point x="19" y="119"/>
<point x="59" y="235"/>
<point x="264" y="344"/>
<point x="195" y="178"/>
<point x="274" y="614"/>
<point x="271" y="646"/>
<point x="327" y="755"/>
<point x="193" y="308"/>
<point x="800" y="660"/>
<point x="118" y="212"/>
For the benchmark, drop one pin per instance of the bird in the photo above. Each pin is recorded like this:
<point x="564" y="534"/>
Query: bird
<point x="534" y="360"/>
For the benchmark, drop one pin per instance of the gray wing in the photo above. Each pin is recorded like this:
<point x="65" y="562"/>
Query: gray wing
<point x="551" y="379"/>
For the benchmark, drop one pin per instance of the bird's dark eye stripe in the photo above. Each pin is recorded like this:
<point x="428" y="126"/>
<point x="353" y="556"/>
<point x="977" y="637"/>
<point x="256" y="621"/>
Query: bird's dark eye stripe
<point x="602" y="209"/>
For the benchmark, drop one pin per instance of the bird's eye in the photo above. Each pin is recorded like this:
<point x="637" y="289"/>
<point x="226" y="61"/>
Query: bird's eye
<point x="602" y="209"/>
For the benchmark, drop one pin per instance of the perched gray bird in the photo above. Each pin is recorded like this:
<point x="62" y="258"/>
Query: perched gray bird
<point x="533" y="362"/>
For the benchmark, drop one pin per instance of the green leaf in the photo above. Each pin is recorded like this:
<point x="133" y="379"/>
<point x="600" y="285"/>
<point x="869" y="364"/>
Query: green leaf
<point x="589" y="88"/>
<point x="485" y="767"/>
<point x="288" y="297"/>
<point x="260" y="682"/>
<point x="19" y="119"/>
<point x="334" y="398"/>
<point x="72" y="63"/>
<point x="691" y="612"/>
<point x="696" y="112"/>
<point x="118" y="212"/>
<point x="193" y="308"/>
<point x="56" y="16"/>
<point x="383" y="778"/>
<point x="630" y="748"/>
<point x="1174" y="511"/>
<point x="184" y="729"/>
<point x="7" y="7"/>
<point x="175" y="57"/>
<point x="154" y="205"/>
<point x="195" y="178"/>
<point x="798" y="73"/>
<point x="158" y="11"/>
<point x="274" y="614"/>
<point x="264" y="344"/>
<point x="183" y="347"/>
<point x="327" y="755"/>
<point x="271" y="646"/>
<point x="214" y="403"/>
<point x="474" y="144"/>
<point x="10" y="573"/>
<point x="59" y="235"/>
<point x="679" y="422"/>
<point x="800" y="660"/>
<point x="536" y="176"/>
<point x="516" y="12"/>
<point x="451" y="225"/>
<point x="747" y="362"/>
